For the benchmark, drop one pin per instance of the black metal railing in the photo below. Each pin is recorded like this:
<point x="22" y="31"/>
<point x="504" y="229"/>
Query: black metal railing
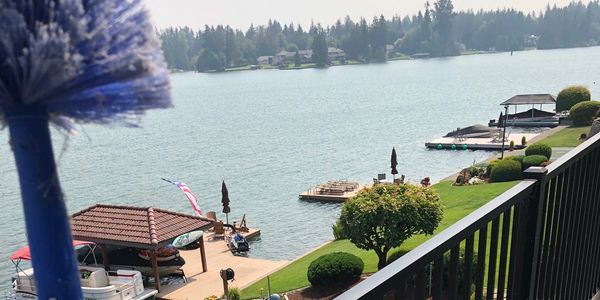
<point x="538" y="240"/>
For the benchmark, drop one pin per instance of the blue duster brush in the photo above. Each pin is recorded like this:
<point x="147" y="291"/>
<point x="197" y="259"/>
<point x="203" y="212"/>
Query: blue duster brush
<point x="65" y="61"/>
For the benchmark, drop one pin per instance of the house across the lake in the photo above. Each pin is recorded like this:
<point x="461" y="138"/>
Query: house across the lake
<point x="264" y="60"/>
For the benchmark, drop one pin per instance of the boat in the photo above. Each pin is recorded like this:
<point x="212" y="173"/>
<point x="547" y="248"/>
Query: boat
<point x="237" y="243"/>
<point x="530" y="118"/>
<point x="474" y="131"/>
<point x="168" y="260"/>
<point x="96" y="282"/>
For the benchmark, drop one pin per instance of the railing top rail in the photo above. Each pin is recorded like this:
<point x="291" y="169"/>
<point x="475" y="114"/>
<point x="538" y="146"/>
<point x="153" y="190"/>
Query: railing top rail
<point x="441" y="242"/>
<point x="571" y="157"/>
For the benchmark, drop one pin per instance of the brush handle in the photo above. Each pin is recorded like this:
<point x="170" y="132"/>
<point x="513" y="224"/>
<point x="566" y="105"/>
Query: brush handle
<point x="48" y="229"/>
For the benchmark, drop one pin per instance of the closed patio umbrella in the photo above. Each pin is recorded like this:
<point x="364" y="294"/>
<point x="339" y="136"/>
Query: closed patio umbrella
<point x="394" y="162"/>
<point x="225" y="201"/>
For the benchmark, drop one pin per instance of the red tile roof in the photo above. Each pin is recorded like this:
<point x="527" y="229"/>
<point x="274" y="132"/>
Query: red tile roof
<point x="143" y="227"/>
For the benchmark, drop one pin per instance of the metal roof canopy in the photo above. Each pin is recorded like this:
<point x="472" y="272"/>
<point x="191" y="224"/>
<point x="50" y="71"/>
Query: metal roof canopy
<point x="530" y="99"/>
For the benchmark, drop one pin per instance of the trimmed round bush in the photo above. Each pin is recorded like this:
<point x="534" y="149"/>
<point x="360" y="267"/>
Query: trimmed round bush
<point x="335" y="268"/>
<point x="518" y="158"/>
<point x="570" y="96"/>
<point x="490" y="166"/>
<point x="506" y="170"/>
<point x="583" y="113"/>
<point x="533" y="161"/>
<point x="539" y="149"/>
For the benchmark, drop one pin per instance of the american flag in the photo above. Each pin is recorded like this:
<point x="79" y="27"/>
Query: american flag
<point x="188" y="193"/>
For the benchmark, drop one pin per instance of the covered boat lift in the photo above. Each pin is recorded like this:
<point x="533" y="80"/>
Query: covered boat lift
<point x="532" y="117"/>
<point x="136" y="227"/>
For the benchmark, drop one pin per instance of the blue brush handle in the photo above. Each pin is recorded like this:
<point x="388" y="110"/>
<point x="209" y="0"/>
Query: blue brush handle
<point x="48" y="229"/>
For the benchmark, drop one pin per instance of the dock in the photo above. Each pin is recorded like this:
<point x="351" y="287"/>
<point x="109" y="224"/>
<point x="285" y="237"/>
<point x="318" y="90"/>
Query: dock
<point x="332" y="191"/>
<point x="200" y="284"/>
<point x="480" y="143"/>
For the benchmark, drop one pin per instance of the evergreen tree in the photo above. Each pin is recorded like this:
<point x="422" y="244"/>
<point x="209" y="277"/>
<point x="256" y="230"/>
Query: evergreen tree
<point x="208" y="61"/>
<point x="319" y="55"/>
<point x="438" y="31"/>
<point x="443" y="15"/>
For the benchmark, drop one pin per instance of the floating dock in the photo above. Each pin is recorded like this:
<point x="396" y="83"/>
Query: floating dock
<point x="480" y="143"/>
<point x="332" y="191"/>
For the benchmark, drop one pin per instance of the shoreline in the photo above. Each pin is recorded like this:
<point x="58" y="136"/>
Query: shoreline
<point x="452" y="177"/>
<point x="350" y="62"/>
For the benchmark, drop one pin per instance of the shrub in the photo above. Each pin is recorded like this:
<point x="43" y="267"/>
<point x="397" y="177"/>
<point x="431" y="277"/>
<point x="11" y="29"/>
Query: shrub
<point x="335" y="268"/>
<point x="511" y="146"/>
<point x="533" y="161"/>
<point x="506" y="170"/>
<point x="396" y="254"/>
<point x="583" y="113"/>
<point x="518" y="158"/>
<point x="233" y="294"/>
<point x="523" y="141"/>
<point x="571" y="96"/>
<point x="490" y="166"/>
<point x="338" y="231"/>
<point x="539" y="149"/>
<point x="476" y="171"/>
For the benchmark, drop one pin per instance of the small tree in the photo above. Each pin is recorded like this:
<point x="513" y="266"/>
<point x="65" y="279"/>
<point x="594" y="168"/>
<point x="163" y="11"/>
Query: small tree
<point x="384" y="216"/>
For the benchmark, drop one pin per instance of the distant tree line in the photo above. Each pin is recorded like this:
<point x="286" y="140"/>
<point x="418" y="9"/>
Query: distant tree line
<point x="437" y="30"/>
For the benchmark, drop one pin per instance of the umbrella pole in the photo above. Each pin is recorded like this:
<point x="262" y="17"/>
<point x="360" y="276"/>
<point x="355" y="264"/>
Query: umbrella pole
<point x="226" y="218"/>
<point x="46" y="219"/>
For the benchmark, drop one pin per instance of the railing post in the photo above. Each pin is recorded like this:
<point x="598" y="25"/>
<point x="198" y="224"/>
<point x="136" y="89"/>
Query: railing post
<point x="531" y="223"/>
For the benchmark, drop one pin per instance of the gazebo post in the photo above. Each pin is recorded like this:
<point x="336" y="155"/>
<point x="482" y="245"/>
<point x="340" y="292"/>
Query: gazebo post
<point x="203" y="254"/>
<point x="104" y="252"/>
<point x="155" y="269"/>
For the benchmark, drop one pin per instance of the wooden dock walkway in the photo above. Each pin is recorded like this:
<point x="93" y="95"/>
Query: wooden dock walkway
<point x="324" y="192"/>
<point x="480" y="143"/>
<point x="218" y="256"/>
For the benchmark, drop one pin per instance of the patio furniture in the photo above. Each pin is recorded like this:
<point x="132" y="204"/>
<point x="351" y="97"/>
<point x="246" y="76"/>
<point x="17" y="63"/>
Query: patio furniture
<point x="218" y="229"/>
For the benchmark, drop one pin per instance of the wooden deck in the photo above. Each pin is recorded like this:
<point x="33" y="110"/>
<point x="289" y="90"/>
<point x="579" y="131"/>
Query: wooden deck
<point x="203" y="284"/>
<point x="314" y="195"/>
<point x="480" y="143"/>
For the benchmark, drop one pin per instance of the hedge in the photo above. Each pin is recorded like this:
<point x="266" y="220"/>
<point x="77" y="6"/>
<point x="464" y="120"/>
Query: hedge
<point x="518" y="158"/>
<point x="335" y="268"/>
<point x="506" y="170"/>
<point x="583" y="113"/>
<point x="539" y="149"/>
<point x="571" y="96"/>
<point x="533" y="161"/>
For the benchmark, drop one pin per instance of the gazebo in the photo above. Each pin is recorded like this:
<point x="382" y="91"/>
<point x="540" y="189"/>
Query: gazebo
<point x="137" y="227"/>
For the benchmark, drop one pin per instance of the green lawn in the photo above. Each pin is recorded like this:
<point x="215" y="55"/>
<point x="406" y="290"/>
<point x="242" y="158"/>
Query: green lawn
<point x="568" y="137"/>
<point x="457" y="201"/>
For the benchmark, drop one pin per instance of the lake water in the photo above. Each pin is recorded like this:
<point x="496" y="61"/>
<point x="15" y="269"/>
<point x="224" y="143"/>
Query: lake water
<point x="272" y="134"/>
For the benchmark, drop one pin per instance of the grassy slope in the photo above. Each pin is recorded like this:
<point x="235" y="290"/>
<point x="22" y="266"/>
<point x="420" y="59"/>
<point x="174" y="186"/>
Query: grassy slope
<point x="458" y="202"/>
<point x="568" y="137"/>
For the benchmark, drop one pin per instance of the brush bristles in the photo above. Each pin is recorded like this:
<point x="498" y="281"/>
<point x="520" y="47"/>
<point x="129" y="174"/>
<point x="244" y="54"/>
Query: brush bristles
<point x="85" y="60"/>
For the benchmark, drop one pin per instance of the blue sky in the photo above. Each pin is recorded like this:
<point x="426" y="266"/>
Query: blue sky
<point x="240" y="13"/>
